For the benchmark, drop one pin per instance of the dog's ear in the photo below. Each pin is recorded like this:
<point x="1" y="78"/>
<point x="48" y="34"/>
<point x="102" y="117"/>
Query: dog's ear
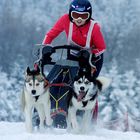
<point x="76" y="78"/>
<point x="28" y="71"/>
<point x="103" y="82"/>
<point x="37" y="69"/>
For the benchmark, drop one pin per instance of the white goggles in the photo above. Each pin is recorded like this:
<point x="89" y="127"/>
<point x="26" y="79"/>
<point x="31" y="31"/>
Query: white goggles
<point x="83" y="15"/>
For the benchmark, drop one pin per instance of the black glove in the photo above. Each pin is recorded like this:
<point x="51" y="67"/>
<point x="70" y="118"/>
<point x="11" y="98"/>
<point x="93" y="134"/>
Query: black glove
<point x="47" y="50"/>
<point x="83" y="55"/>
<point x="46" y="54"/>
<point x="83" y="59"/>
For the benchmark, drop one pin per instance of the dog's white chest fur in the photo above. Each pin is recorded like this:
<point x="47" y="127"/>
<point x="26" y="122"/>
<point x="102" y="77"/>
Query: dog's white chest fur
<point x="83" y="105"/>
<point x="37" y="100"/>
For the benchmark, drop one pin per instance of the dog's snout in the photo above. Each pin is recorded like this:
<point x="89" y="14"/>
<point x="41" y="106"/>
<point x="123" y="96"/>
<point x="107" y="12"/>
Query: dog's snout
<point x="33" y="92"/>
<point x="82" y="88"/>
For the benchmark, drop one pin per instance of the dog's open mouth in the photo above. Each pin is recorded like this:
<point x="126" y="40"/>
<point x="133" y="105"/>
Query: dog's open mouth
<point x="81" y="95"/>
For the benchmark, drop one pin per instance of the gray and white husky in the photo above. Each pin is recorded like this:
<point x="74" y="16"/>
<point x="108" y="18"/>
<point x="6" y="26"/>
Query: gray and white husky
<point x="84" y="97"/>
<point x="36" y="95"/>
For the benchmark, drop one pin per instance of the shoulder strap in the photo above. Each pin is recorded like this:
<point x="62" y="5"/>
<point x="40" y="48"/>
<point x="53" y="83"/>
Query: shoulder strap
<point x="89" y="33"/>
<point x="70" y="32"/>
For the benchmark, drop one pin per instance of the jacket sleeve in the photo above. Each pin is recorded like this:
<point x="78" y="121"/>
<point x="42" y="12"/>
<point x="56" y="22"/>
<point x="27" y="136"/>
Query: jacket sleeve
<point x="54" y="31"/>
<point x="98" y="40"/>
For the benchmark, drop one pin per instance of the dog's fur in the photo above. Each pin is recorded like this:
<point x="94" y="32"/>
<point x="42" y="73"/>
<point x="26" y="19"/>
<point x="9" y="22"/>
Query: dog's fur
<point x="36" y="95"/>
<point x="85" y="92"/>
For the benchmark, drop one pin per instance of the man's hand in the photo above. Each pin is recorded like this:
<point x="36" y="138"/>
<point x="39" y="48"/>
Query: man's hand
<point x="47" y="50"/>
<point x="46" y="54"/>
<point x="83" y="55"/>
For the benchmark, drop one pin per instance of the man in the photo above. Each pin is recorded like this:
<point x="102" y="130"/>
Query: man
<point x="81" y="30"/>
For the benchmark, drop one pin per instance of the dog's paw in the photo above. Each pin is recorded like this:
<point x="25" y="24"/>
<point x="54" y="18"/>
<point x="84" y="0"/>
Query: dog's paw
<point x="49" y="122"/>
<point x="42" y="129"/>
<point x="29" y="130"/>
<point x="76" y="131"/>
<point x="75" y="127"/>
<point x="29" y="127"/>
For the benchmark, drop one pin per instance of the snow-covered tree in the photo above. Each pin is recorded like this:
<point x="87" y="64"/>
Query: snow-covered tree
<point x="10" y="91"/>
<point x="121" y="98"/>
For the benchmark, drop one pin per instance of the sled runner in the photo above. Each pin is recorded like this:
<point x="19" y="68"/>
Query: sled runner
<point x="60" y="76"/>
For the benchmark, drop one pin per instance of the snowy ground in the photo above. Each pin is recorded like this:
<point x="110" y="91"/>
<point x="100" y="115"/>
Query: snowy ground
<point x="16" y="131"/>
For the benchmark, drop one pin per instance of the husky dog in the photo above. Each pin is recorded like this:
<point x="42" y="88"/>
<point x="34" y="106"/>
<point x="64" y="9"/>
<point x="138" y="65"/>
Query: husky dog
<point x="36" y="95"/>
<point x="84" y="97"/>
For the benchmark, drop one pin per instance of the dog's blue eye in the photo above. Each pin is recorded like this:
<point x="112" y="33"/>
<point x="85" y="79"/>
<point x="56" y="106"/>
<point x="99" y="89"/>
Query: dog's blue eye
<point x="30" y="84"/>
<point x="86" y="82"/>
<point x="37" y="84"/>
<point x="79" y="82"/>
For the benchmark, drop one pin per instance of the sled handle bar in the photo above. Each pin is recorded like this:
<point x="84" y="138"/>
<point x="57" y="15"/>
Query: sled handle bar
<point x="67" y="47"/>
<point x="62" y="47"/>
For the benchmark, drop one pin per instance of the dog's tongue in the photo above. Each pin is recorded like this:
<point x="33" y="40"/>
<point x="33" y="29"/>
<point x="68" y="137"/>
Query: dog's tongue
<point x="80" y="96"/>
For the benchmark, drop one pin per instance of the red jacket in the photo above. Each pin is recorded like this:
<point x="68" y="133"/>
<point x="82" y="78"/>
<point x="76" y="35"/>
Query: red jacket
<point x="79" y="34"/>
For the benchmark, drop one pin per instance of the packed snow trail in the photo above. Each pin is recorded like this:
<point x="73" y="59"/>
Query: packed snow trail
<point x="16" y="131"/>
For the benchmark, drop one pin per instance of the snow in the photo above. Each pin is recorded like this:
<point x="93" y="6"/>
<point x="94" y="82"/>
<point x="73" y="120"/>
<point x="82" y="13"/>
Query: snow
<point x="121" y="98"/>
<point x="16" y="131"/>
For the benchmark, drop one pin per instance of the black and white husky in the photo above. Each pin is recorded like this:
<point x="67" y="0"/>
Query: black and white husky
<point x="84" y="97"/>
<point x="36" y="95"/>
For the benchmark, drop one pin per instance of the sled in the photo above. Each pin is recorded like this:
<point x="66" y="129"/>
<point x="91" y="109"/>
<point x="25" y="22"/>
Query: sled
<point x="59" y="77"/>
